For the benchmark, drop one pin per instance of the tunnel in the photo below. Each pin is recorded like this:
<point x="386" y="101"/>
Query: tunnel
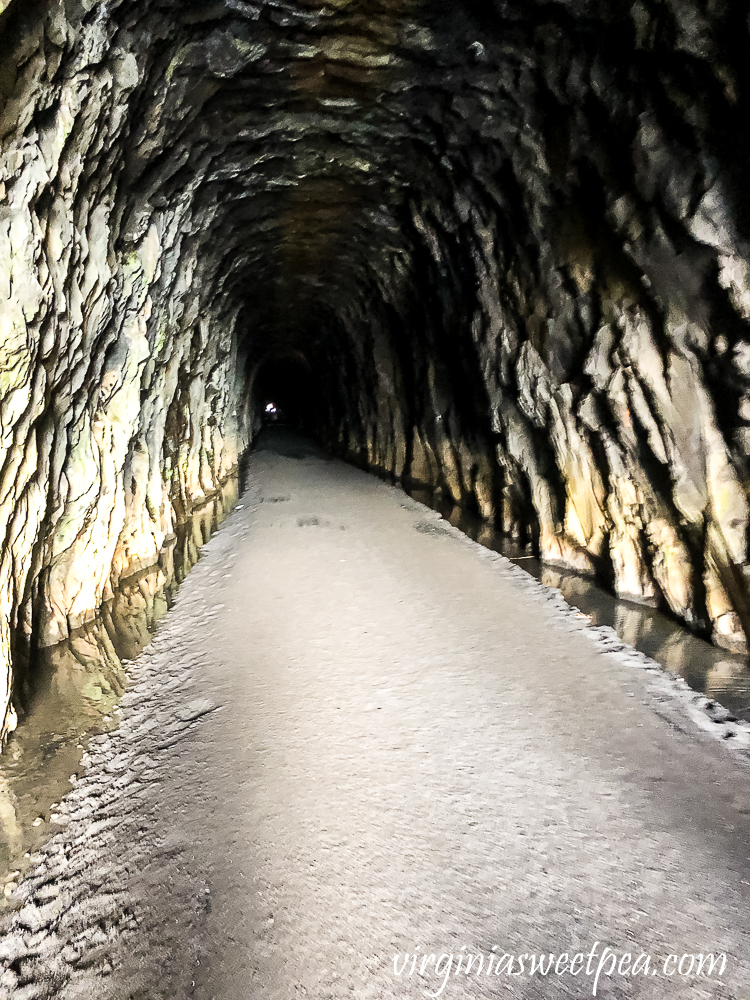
<point x="507" y="242"/>
<point x="497" y="250"/>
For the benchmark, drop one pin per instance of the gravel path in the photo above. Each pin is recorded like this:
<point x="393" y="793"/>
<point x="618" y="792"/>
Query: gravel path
<point x="359" y="735"/>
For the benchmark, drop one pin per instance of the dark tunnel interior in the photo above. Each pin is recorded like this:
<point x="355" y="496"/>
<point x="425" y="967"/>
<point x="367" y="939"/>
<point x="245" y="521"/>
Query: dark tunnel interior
<point x="289" y="392"/>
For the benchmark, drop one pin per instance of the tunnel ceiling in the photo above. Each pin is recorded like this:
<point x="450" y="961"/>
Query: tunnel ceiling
<point x="307" y="131"/>
<point x="508" y="241"/>
<point x="314" y="137"/>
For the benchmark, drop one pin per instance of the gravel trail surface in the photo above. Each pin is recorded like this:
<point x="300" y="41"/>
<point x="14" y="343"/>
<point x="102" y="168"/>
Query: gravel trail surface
<point x="360" y="735"/>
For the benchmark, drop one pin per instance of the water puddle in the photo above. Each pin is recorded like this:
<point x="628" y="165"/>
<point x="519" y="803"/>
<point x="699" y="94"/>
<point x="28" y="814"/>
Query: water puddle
<point x="706" y="668"/>
<point x="76" y="688"/>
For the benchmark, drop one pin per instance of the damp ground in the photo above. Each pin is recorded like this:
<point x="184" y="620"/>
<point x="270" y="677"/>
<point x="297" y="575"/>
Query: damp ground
<point x="76" y="686"/>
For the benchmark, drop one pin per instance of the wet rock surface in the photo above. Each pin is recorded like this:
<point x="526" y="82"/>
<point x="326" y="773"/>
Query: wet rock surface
<point x="347" y="744"/>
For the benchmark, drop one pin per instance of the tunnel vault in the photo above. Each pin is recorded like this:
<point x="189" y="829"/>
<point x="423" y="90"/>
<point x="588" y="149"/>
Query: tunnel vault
<point x="508" y="241"/>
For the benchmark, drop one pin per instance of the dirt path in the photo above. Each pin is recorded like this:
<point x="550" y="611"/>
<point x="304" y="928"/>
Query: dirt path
<point x="359" y="735"/>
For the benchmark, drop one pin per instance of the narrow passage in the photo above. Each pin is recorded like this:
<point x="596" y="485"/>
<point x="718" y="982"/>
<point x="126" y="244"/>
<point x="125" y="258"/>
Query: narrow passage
<point x="358" y="735"/>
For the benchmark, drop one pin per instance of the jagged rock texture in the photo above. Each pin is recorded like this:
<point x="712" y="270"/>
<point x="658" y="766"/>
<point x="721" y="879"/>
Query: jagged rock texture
<point x="506" y="244"/>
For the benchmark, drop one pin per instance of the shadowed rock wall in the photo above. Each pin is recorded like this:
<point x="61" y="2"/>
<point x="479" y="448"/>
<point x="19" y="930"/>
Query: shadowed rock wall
<point x="508" y="242"/>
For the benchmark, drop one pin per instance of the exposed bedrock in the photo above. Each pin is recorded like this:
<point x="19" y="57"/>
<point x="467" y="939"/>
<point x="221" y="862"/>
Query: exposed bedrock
<point x="499" y="249"/>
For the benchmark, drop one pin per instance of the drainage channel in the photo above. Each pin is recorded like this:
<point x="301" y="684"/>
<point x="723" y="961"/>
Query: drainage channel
<point x="721" y="675"/>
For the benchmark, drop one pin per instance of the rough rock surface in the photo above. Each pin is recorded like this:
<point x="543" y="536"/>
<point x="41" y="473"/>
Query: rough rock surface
<point x="506" y="243"/>
<point x="353" y="738"/>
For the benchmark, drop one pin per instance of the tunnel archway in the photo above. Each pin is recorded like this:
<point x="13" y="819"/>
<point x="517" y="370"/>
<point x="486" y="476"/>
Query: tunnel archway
<point x="496" y="251"/>
<point x="511" y="244"/>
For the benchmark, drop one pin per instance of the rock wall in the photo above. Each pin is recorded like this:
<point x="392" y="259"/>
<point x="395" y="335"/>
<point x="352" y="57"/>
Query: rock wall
<point x="119" y="392"/>
<point x="579" y="244"/>
<point x="508" y="241"/>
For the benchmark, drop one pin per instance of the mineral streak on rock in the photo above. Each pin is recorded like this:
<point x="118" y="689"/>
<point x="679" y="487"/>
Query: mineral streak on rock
<point x="509" y="242"/>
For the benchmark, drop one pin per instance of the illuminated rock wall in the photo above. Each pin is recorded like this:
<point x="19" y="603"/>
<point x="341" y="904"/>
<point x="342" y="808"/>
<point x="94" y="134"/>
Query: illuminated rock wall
<point x="118" y="381"/>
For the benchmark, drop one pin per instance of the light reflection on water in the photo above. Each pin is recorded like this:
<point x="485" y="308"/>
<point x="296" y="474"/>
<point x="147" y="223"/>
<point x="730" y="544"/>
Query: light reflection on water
<point x="706" y="668"/>
<point x="77" y="685"/>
